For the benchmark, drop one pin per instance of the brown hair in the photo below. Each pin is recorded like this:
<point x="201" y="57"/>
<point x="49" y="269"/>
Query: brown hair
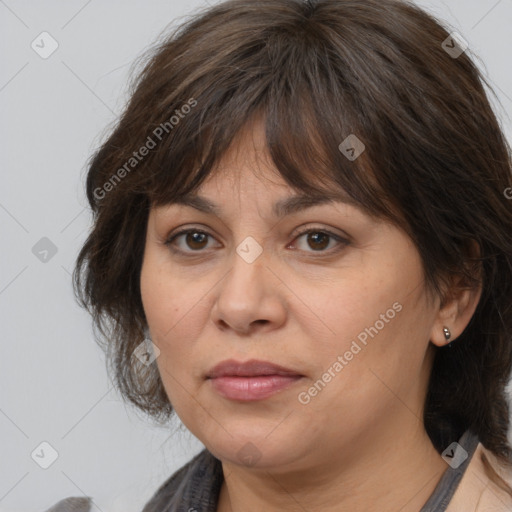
<point x="435" y="163"/>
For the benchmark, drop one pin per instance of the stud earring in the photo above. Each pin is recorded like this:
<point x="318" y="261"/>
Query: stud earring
<point x="447" y="333"/>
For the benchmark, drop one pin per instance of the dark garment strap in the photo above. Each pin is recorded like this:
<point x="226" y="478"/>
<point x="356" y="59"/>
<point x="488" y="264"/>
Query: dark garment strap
<point x="445" y="489"/>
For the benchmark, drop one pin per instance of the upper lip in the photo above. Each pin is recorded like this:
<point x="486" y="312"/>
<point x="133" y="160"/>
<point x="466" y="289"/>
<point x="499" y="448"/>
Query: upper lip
<point x="251" y="368"/>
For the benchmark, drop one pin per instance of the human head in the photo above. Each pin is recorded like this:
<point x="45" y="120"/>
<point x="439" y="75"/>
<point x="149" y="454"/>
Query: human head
<point x="435" y="163"/>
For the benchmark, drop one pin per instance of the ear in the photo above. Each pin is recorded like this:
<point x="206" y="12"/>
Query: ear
<point x="458" y="305"/>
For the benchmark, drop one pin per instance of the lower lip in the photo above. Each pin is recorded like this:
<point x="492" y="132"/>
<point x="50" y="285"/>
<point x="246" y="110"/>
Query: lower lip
<point x="252" y="388"/>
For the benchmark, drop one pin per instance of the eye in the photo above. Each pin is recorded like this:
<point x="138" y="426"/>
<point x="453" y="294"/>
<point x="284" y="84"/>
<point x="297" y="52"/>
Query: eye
<point x="321" y="238"/>
<point x="196" y="240"/>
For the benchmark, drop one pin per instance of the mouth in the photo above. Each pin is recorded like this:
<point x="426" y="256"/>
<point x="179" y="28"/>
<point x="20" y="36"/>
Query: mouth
<point x="251" y="380"/>
<point x="252" y="368"/>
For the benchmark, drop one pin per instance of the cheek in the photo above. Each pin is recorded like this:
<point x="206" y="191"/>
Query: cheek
<point x="160" y="306"/>
<point x="356" y="307"/>
<point x="166" y="297"/>
<point x="176" y="311"/>
<point x="164" y="308"/>
<point x="373" y="320"/>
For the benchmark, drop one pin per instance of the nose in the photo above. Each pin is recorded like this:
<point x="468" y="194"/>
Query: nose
<point x="248" y="298"/>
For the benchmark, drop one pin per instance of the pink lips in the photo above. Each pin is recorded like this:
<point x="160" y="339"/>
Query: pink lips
<point x="252" y="380"/>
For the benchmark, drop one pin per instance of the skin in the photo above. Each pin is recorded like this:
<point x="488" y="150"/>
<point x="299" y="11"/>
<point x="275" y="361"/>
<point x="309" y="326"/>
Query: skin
<point x="360" y="443"/>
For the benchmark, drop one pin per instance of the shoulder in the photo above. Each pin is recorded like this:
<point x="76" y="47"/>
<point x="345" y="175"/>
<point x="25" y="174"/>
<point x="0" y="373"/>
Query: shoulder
<point x="72" y="505"/>
<point x="486" y="485"/>
<point x="196" y="484"/>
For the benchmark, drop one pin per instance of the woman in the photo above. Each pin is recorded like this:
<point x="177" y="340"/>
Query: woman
<point x="301" y="246"/>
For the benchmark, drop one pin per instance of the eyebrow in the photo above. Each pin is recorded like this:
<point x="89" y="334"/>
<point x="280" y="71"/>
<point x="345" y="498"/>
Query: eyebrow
<point x="281" y="208"/>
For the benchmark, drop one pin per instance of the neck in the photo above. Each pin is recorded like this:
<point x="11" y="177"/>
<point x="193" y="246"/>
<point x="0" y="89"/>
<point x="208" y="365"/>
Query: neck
<point x="391" y="472"/>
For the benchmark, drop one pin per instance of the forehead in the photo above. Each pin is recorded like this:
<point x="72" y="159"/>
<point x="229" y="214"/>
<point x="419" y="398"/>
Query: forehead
<point x="247" y="165"/>
<point x="288" y="205"/>
<point x="278" y="184"/>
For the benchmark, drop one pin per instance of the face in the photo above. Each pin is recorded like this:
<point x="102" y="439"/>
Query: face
<point x="344" y="308"/>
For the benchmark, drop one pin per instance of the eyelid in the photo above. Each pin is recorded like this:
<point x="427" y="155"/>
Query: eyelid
<point x="343" y="240"/>
<point x="320" y="228"/>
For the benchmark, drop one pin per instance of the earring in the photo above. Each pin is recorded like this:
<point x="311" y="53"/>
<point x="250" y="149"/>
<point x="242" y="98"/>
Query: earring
<point x="447" y="333"/>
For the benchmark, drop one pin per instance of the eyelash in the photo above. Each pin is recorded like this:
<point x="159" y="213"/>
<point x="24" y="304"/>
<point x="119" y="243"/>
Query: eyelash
<point x="342" y="241"/>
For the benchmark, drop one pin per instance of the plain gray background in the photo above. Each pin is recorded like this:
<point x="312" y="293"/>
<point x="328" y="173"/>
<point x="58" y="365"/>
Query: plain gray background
<point x="54" y="112"/>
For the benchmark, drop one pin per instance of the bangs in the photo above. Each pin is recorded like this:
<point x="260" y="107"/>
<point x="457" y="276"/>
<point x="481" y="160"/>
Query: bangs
<point x="313" y="147"/>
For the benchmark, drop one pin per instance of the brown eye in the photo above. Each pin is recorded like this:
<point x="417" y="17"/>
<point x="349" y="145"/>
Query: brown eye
<point x="193" y="240"/>
<point x="189" y="241"/>
<point x="318" y="240"/>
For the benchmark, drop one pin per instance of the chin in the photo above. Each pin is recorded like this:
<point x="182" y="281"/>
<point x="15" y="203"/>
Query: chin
<point x="256" y="451"/>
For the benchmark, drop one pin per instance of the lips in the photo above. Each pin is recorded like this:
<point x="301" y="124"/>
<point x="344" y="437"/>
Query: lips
<point x="252" y="368"/>
<point x="250" y="381"/>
